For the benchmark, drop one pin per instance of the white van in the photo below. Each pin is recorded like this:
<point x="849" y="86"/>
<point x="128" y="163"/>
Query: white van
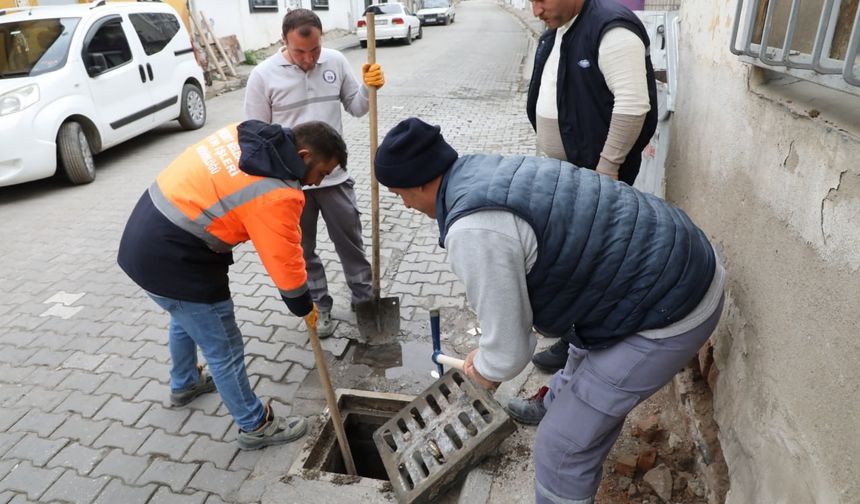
<point x="78" y="79"/>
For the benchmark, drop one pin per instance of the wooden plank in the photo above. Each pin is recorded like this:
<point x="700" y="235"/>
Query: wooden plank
<point x="208" y="49"/>
<point x="218" y="45"/>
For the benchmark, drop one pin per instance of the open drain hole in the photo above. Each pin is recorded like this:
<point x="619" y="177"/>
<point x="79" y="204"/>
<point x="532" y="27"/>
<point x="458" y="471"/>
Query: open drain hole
<point x="359" y="434"/>
<point x="483" y="411"/>
<point x="404" y="475"/>
<point x="431" y="401"/>
<point x="452" y="434"/>
<point x="417" y="417"/>
<point x="445" y="392"/>
<point x="416" y="456"/>
<point x="389" y="440"/>
<point x="457" y="379"/>
<point x="467" y="423"/>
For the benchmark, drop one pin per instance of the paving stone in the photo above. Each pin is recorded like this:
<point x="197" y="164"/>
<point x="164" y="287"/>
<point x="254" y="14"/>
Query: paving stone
<point x="150" y="350"/>
<point x="168" y="419"/>
<point x="290" y="336"/>
<point x="214" y="499"/>
<point x="73" y="488"/>
<point x="262" y="333"/>
<point x="217" y="452"/>
<point x="281" y="392"/>
<point x="300" y="356"/>
<point x="9" y="416"/>
<point x="274" y="370"/>
<point x="46" y="377"/>
<point x="161" y="443"/>
<point x="213" y="426"/>
<point x="39" y="422"/>
<point x="6" y="465"/>
<point x="80" y="429"/>
<point x="154" y="391"/>
<point x="126" y="412"/>
<point x="156" y="334"/>
<point x="121" y="347"/>
<point x="213" y="480"/>
<point x="47" y="357"/>
<point x="126" y="438"/>
<point x="246" y="459"/>
<point x="154" y="370"/>
<point x="35" y="449"/>
<point x="116" y="492"/>
<point x="165" y="496"/>
<point x="65" y="298"/>
<point x="296" y="374"/>
<point x="14" y="355"/>
<point x="81" y="381"/>
<point x="336" y="346"/>
<point x="126" y="467"/>
<point x="176" y="475"/>
<point x="267" y="350"/>
<point x="126" y="388"/>
<point x="84" y="361"/>
<point x="77" y="457"/>
<point x="123" y="332"/>
<point x="207" y="403"/>
<point x="13" y="374"/>
<point x="122" y="366"/>
<point x="33" y="481"/>
<point x="85" y="404"/>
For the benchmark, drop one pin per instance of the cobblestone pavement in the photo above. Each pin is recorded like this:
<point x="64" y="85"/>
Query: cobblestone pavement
<point x="84" y="364"/>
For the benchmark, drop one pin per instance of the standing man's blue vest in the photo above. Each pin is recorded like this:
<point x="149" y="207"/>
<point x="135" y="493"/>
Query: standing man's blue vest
<point x="584" y="101"/>
<point x="611" y="260"/>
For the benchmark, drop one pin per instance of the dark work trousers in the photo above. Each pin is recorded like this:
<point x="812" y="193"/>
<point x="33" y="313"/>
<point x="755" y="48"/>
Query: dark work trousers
<point x="342" y="218"/>
<point x="588" y="401"/>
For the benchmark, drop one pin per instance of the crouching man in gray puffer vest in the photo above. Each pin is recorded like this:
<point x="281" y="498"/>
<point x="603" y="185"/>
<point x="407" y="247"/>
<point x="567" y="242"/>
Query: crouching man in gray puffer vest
<point x="541" y="243"/>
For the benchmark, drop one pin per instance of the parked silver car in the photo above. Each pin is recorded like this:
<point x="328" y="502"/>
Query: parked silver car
<point x="436" y="12"/>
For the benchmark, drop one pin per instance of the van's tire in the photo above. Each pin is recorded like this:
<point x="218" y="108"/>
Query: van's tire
<point x="363" y="44"/>
<point x="420" y="33"/>
<point x="408" y="39"/>
<point x="76" y="158"/>
<point x="447" y="21"/>
<point x="192" y="111"/>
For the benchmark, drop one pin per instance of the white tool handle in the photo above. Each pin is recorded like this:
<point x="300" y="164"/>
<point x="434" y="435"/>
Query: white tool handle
<point x="449" y="361"/>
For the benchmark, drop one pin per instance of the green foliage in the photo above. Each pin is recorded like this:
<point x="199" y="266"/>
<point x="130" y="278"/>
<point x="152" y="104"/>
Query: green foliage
<point x="250" y="58"/>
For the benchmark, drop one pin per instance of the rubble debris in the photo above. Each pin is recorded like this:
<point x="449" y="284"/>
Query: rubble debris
<point x="660" y="480"/>
<point x="647" y="458"/>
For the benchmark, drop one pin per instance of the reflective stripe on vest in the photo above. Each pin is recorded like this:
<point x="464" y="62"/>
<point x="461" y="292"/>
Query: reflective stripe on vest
<point x="199" y="226"/>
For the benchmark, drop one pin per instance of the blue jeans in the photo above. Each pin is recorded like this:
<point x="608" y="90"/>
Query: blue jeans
<point x="212" y="327"/>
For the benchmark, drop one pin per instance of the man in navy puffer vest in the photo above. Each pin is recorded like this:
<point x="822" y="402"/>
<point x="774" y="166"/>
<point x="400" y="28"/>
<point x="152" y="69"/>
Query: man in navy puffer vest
<point x="637" y="278"/>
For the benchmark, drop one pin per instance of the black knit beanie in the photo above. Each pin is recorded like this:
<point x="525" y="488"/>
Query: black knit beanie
<point x="412" y="154"/>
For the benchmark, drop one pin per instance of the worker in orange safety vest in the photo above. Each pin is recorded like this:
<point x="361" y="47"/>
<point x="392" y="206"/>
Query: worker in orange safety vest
<point x="243" y="182"/>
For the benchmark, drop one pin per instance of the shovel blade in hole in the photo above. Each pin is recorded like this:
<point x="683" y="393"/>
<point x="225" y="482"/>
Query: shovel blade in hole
<point x="378" y="319"/>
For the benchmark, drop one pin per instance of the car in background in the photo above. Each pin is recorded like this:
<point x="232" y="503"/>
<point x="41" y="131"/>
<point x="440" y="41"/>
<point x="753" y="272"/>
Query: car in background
<point x="436" y="12"/>
<point x="393" y="22"/>
<point x="78" y="79"/>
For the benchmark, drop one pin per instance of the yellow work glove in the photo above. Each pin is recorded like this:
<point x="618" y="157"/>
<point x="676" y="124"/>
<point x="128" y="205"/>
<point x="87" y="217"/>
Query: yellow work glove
<point x="373" y="75"/>
<point x="311" y="318"/>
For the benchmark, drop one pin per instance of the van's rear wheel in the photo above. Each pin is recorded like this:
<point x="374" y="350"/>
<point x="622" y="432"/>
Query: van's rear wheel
<point x="75" y="155"/>
<point x="408" y="39"/>
<point x="363" y="44"/>
<point x="192" y="114"/>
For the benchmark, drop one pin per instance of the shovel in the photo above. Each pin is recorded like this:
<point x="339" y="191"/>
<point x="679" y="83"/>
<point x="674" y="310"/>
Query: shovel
<point x="378" y="319"/>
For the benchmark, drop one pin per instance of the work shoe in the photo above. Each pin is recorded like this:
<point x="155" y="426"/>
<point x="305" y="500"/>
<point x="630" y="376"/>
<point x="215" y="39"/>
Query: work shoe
<point x="528" y="411"/>
<point x="204" y="385"/>
<point x="274" y="430"/>
<point x="325" y="325"/>
<point x="553" y="358"/>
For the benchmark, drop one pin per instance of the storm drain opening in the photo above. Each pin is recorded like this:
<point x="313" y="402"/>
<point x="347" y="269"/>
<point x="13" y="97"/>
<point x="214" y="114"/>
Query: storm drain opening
<point x="363" y="414"/>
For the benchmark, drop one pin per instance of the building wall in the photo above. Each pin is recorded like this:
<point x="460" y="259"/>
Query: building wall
<point x="256" y="30"/>
<point x="772" y="175"/>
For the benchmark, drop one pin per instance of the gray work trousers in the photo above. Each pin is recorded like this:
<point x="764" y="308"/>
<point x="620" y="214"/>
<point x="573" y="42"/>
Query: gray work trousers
<point x="588" y="400"/>
<point x="342" y="218"/>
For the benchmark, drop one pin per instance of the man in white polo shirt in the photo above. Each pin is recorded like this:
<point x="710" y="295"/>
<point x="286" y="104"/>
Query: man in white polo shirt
<point x="305" y="82"/>
<point x="593" y="102"/>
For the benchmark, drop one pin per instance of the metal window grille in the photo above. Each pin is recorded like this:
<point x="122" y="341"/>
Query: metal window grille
<point x="816" y="41"/>
<point x="662" y="4"/>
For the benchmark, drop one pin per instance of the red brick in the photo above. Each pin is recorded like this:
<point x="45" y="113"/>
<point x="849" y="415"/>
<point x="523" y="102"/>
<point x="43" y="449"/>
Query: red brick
<point x="647" y="458"/>
<point x="625" y="464"/>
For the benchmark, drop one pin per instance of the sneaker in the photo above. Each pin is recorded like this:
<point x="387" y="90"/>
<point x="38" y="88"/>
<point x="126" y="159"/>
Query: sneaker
<point x="325" y="325"/>
<point x="274" y="430"/>
<point x="528" y="411"/>
<point x="553" y="358"/>
<point x="204" y="385"/>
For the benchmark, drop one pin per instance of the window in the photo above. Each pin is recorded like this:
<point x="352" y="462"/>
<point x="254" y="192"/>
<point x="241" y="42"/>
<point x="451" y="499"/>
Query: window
<point x="319" y="4"/>
<point x="107" y="47"/>
<point x="155" y="30"/>
<point x="263" y="5"/>
<point x="29" y="48"/>
<point x="816" y="40"/>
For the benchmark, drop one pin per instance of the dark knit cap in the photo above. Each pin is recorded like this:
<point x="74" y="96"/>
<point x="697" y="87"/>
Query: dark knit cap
<point x="412" y="154"/>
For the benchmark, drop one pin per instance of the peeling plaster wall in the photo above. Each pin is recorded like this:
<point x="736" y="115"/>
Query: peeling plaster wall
<point x="777" y="186"/>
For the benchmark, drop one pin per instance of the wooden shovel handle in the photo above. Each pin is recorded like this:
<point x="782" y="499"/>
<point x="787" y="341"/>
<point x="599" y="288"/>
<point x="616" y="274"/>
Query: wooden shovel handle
<point x="374" y="184"/>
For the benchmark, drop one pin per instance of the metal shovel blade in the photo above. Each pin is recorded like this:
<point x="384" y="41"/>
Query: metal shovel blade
<point x="378" y="319"/>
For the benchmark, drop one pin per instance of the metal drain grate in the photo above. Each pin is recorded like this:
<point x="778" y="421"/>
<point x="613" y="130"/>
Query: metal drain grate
<point x="436" y="438"/>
